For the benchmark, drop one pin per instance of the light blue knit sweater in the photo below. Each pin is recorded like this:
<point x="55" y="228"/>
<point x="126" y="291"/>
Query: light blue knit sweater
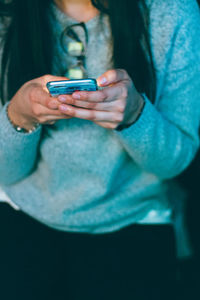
<point x="82" y="177"/>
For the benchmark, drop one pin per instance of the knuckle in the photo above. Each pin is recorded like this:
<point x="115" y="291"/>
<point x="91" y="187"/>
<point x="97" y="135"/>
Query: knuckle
<point x="85" y="95"/>
<point x="118" y="118"/>
<point x="92" y="105"/>
<point x="124" y="91"/>
<point x="93" y="116"/>
<point x="36" y="111"/>
<point x="112" y="74"/>
<point x="48" y="103"/>
<point x="121" y="107"/>
<point x="72" y="112"/>
<point x="71" y="101"/>
<point x="102" y="96"/>
<point x="32" y="94"/>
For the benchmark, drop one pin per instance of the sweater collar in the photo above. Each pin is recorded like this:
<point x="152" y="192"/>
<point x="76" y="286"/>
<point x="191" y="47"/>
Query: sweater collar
<point x="64" y="20"/>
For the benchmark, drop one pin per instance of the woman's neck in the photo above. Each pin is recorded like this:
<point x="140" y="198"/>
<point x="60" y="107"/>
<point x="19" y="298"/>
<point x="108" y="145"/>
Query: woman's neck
<point x="80" y="10"/>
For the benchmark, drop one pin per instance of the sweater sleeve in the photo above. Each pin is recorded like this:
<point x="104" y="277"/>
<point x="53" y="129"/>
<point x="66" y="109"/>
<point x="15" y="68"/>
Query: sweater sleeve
<point x="165" y="138"/>
<point x="18" y="151"/>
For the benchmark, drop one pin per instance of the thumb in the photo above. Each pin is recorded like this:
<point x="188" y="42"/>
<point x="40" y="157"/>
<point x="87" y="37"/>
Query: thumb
<point x="112" y="76"/>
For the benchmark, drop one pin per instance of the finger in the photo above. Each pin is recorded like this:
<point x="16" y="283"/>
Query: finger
<point x="53" y="104"/>
<point x="107" y="125"/>
<point x="92" y="115"/>
<point x="118" y="105"/>
<point x="112" y="76"/>
<point x="39" y="95"/>
<point x="41" y="111"/>
<point x="42" y="97"/>
<point x="97" y="96"/>
<point x="109" y="94"/>
<point x="51" y="119"/>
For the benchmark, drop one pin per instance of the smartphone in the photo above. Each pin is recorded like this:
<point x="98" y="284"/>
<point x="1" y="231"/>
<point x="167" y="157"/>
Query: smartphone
<point x="64" y="87"/>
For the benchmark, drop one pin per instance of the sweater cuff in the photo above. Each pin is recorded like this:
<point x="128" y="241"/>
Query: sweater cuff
<point x="7" y="129"/>
<point x="137" y="131"/>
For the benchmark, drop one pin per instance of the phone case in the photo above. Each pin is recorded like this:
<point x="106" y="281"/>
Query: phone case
<point x="64" y="87"/>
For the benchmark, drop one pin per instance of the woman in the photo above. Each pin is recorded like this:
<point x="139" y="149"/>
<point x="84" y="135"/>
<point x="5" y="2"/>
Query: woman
<point x="96" y="166"/>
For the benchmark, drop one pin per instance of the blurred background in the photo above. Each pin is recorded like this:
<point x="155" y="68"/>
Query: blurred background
<point x="189" y="268"/>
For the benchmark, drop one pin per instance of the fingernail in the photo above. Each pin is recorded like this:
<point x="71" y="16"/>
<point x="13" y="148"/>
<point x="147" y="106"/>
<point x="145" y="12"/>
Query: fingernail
<point x="62" y="98"/>
<point x="103" y="80"/>
<point x="63" y="107"/>
<point x="76" y="96"/>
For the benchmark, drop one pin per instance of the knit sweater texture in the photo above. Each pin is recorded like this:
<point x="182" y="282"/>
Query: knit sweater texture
<point x="78" y="176"/>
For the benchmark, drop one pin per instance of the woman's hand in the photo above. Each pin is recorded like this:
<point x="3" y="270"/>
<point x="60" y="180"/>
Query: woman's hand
<point x="117" y="104"/>
<point x="33" y="104"/>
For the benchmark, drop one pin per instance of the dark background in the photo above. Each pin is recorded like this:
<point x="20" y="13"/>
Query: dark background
<point x="190" y="179"/>
<point x="190" y="268"/>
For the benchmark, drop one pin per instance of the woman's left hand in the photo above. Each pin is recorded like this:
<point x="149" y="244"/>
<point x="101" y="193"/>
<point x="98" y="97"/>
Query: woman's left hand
<point x="118" y="103"/>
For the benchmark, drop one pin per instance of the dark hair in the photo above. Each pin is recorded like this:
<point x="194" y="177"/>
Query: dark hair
<point x="27" y="43"/>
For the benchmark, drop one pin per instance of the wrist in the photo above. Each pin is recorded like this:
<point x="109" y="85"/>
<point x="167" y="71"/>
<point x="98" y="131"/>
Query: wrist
<point x="20" y="124"/>
<point x="137" y="114"/>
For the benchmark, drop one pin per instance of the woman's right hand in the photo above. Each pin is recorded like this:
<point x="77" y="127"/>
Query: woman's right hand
<point x="33" y="104"/>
